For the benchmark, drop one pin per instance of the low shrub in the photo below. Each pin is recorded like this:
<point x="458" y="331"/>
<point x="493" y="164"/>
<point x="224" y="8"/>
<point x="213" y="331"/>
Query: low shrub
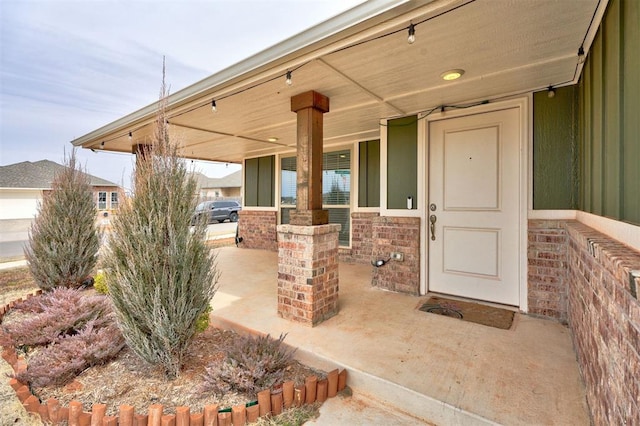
<point x="72" y="331"/>
<point x="53" y="315"/>
<point x="202" y="323"/>
<point x="251" y="364"/>
<point x="60" y="362"/>
<point x="100" y="283"/>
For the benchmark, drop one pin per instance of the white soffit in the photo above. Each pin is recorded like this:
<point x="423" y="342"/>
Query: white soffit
<point x="369" y="72"/>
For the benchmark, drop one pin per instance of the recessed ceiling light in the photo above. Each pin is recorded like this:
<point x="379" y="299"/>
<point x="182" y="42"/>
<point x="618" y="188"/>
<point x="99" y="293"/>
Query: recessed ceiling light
<point x="452" y="74"/>
<point x="273" y="139"/>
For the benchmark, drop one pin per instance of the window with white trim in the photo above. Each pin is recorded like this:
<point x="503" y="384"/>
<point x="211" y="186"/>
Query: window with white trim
<point x="336" y="189"/>
<point x="114" y="200"/>
<point x="102" y="200"/>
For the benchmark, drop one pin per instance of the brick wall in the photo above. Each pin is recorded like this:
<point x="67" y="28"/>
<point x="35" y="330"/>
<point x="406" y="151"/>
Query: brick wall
<point x="308" y="272"/>
<point x="397" y="234"/>
<point x="547" y="269"/>
<point x="361" y="239"/>
<point x="258" y="230"/>
<point x="605" y="322"/>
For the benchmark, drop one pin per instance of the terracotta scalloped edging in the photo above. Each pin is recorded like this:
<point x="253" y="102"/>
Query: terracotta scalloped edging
<point x="270" y="401"/>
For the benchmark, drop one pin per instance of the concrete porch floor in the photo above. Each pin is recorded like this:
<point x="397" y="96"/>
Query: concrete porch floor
<point x="435" y="368"/>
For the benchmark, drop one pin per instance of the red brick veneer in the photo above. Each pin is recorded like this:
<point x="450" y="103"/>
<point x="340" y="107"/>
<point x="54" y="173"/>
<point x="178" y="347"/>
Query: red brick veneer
<point x="308" y="272"/>
<point x="547" y="272"/>
<point x="605" y="321"/>
<point x="258" y="230"/>
<point x="397" y="234"/>
<point x="361" y="239"/>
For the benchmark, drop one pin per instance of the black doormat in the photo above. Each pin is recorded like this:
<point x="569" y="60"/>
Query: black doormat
<point x="469" y="311"/>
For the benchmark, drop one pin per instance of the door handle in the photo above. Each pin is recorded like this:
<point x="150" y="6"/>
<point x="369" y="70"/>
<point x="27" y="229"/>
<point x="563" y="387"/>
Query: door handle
<point x="432" y="227"/>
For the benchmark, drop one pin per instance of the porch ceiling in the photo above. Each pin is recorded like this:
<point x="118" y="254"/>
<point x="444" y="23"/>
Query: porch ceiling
<point x="369" y="72"/>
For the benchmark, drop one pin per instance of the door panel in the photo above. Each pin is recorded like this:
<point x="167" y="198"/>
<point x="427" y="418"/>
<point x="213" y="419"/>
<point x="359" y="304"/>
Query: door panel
<point x="474" y="175"/>
<point x="471" y="159"/>
<point x="482" y="248"/>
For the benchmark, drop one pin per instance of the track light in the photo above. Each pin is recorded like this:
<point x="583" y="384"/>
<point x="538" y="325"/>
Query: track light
<point x="130" y="136"/>
<point x="581" y="55"/>
<point x="288" y="80"/>
<point x="412" y="34"/>
<point x="551" y="92"/>
<point x="214" y="108"/>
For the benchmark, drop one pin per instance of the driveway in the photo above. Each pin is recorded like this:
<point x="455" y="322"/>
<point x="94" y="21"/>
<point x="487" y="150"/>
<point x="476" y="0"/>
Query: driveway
<point x="14" y="233"/>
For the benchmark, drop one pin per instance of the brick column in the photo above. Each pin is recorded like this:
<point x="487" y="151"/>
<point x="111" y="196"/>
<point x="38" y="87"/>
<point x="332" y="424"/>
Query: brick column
<point x="310" y="107"/>
<point x="308" y="272"/>
<point x="308" y="246"/>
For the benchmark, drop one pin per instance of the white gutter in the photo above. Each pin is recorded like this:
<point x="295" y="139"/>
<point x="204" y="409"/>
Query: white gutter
<point x="313" y="35"/>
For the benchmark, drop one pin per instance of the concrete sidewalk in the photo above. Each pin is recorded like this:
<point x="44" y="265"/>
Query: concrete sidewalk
<point x="434" y="368"/>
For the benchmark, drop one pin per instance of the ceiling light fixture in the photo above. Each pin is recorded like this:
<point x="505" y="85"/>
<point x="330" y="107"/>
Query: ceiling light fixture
<point x="412" y="34"/>
<point x="272" y="139"/>
<point x="452" y="74"/>
<point x="102" y="145"/>
<point x="214" y="108"/>
<point x="551" y="92"/>
<point x="288" y="79"/>
<point x="130" y="136"/>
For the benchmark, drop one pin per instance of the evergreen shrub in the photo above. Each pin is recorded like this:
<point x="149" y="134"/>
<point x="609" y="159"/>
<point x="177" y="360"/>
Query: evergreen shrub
<point x="160" y="274"/>
<point x="64" y="238"/>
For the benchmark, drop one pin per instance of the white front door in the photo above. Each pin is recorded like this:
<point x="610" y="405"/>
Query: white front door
<point x="474" y="198"/>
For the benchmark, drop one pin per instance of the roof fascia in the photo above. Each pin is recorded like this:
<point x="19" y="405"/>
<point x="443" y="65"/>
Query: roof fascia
<point x="260" y="61"/>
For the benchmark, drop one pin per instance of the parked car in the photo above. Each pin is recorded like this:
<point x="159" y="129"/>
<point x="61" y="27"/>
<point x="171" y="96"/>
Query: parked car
<point x="217" y="211"/>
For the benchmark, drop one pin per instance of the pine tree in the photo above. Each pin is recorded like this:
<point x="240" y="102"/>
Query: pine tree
<point x="64" y="238"/>
<point x="160" y="273"/>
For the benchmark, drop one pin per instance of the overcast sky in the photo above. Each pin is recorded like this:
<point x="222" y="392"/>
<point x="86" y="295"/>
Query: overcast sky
<point x="70" y="67"/>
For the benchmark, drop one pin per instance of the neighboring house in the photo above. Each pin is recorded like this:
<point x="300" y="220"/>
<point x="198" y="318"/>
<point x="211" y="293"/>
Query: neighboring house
<point x="225" y="187"/>
<point x="495" y="144"/>
<point x="22" y="186"/>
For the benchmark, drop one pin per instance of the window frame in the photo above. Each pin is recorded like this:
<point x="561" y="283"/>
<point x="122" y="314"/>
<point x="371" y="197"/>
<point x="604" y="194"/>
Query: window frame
<point x="351" y="148"/>
<point x="104" y="207"/>
<point x="117" y="203"/>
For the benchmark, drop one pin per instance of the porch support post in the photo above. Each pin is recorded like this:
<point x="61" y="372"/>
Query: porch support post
<point x="310" y="107"/>
<point x="141" y="151"/>
<point x="308" y="245"/>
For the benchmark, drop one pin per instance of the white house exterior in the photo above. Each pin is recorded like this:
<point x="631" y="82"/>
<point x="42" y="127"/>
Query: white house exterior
<point x="22" y="186"/>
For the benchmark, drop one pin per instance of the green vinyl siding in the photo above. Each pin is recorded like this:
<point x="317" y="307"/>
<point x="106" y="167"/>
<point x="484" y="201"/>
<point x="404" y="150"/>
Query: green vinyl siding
<point x="609" y="105"/>
<point x="630" y="128"/>
<point x="369" y="178"/>
<point x="259" y="182"/>
<point x="555" y="156"/>
<point x="402" y="162"/>
<point x="604" y="177"/>
<point x="266" y="181"/>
